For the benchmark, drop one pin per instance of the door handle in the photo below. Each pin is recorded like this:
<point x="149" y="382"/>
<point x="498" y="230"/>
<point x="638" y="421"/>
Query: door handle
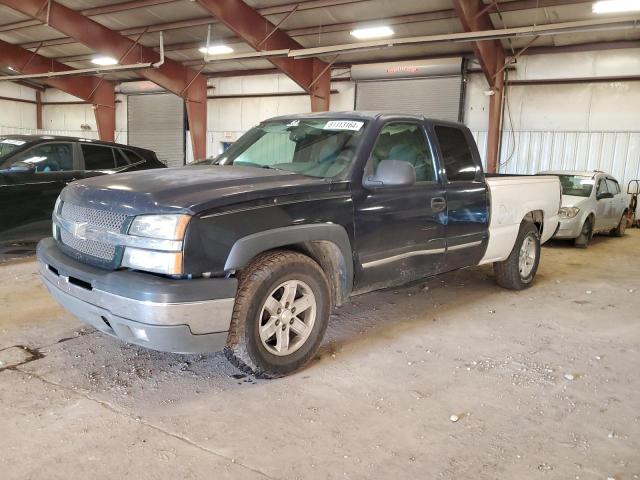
<point x="438" y="204"/>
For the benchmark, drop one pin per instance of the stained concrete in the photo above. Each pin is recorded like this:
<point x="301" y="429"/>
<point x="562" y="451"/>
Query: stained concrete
<point x="544" y="384"/>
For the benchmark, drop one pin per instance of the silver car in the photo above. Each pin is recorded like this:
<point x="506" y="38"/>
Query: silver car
<point x="592" y="202"/>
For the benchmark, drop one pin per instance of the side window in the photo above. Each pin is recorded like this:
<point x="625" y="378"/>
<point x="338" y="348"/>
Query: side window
<point x="408" y="143"/>
<point x="613" y="186"/>
<point x="132" y="156"/>
<point x="456" y="154"/>
<point x="121" y="160"/>
<point x="97" y="157"/>
<point x="602" y="186"/>
<point x="49" y="157"/>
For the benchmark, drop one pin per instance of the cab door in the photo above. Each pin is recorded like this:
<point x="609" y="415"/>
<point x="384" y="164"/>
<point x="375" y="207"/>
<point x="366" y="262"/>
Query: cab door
<point x="30" y="184"/>
<point x="400" y="231"/>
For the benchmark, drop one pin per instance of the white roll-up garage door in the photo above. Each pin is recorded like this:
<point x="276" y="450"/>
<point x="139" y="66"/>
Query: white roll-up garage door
<point x="431" y="87"/>
<point x="156" y="121"/>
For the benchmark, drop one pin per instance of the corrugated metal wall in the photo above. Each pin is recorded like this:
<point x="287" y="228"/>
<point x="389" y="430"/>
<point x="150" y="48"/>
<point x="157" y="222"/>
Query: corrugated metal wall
<point x="4" y="130"/>
<point x="617" y="153"/>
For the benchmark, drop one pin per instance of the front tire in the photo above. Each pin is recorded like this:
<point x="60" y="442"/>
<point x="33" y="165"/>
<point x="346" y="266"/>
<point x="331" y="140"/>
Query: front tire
<point x="519" y="269"/>
<point x="280" y="315"/>
<point x="621" y="229"/>
<point x="586" y="234"/>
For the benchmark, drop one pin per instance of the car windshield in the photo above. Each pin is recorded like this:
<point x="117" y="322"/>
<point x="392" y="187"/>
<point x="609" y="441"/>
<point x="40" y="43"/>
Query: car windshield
<point x="576" y="185"/>
<point x="315" y="147"/>
<point x="8" y="145"/>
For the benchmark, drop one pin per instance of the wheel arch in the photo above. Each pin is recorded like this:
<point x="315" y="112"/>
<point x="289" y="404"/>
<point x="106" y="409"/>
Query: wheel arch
<point x="326" y="243"/>
<point x="537" y="218"/>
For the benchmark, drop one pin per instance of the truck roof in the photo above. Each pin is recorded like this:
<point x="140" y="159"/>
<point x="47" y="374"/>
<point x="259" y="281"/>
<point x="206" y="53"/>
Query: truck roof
<point x="360" y="115"/>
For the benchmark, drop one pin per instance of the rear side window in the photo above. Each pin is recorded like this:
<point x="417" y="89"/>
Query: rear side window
<point x="456" y="154"/>
<point x="613" y="186"/>
<point x="132" y="156"/>
<point x="97" y="157"/>
<point x="121" y="160"/>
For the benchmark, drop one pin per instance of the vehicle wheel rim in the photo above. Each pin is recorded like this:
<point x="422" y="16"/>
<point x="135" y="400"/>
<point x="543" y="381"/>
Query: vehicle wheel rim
<point x="586" y="230"/>
<point x="527" y="258"/>
<point x="287" y="317"/>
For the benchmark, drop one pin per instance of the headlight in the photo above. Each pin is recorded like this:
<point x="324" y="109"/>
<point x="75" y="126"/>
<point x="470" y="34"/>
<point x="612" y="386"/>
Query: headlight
<point x="568" y="212"/>
<point x="165" y="227"/>
<point x="169" y="263"/>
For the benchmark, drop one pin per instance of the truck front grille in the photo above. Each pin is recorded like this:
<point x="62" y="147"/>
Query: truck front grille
<point x="91" y="251"/>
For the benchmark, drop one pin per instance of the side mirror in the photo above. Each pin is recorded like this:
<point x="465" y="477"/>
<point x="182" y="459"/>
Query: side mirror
<point x="392" y="173"/>
<point x="21" y="167"/>
<point x="604" y="195"/>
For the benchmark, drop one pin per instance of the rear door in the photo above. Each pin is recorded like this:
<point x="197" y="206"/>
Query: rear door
<point x="618" y="202"/>
<point x="400" y="232"/>
<point x="466" y="197"/>
<point x="29" y="186"/>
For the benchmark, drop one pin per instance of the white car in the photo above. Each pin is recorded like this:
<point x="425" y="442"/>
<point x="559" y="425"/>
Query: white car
<point x="592" y="202"/>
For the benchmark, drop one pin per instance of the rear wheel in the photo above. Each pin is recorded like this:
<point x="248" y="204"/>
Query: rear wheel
<point x="584" y="239"/>
<point x="519" y="269"/>
<point x="281" y="313"/>
<point x="621" y="229"/>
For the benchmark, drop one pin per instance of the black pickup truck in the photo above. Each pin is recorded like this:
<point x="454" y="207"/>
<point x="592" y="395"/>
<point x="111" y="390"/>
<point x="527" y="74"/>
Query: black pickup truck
<point x="251" y="251"/>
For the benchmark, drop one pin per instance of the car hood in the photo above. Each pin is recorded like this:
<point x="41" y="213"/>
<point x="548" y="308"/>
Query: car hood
<point x="191" y="189"/>
<point x="573" y="201"/>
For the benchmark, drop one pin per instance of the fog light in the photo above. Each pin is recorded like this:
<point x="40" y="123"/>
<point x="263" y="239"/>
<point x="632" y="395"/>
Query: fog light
<point x="139" y="333"/>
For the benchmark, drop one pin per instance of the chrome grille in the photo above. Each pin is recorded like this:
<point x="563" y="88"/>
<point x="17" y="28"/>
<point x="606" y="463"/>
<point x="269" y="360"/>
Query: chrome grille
<point x="103" y="219"/>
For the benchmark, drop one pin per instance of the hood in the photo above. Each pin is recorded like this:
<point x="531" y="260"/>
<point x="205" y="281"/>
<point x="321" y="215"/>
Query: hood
<point x="573" y="201"/>
<point x="186" y="189"/>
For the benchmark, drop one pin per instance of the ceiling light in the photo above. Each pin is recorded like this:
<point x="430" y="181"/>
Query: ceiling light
<point x="104" y="61"/>
<point x="372" y="32"/>
<point x="616" y="6"/>
<point x="12" y="69"/>
<point x="216" y="49"/>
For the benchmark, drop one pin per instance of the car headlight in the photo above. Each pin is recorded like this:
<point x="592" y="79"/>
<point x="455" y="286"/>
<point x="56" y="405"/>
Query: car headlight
<point x="568" y="212"/>
<point x="165" y="227"/>
<point x="168" y="263"/>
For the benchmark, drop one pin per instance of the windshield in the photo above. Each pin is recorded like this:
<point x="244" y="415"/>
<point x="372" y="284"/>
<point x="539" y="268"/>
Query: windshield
<point x="576" y="185"/>
<point x="8" y="145"/>
<point x="315" y="147"/>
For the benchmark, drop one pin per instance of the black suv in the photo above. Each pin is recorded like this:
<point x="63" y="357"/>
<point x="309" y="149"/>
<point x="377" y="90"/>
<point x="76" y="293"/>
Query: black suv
<point x="35" y="168"/>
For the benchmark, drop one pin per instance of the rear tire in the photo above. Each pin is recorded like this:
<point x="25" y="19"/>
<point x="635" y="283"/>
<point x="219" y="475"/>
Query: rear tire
<point x="519" y="269"/>
<point x="586" y="234"/>
<point x="280" y="315"/>
<point x="621" y="229"/>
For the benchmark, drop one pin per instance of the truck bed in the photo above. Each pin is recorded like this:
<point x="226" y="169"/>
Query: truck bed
<point x="511" y="197"/>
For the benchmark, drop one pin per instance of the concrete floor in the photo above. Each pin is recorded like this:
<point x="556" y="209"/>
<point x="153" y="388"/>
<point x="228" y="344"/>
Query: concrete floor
<point x="545" y="383"/>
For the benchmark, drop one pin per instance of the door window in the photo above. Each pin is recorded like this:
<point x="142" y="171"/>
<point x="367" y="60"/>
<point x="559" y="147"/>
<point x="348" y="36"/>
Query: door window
<point x="613" y="186"/>
<point x="121" y="160"/>
<point x="456" y="154"/>
<point x="405" y="142"/>
<point x="602" y="187"/>
<point x="97" y="157"/>
<point x="132" y="156"/>
<point x="49" y="157"/>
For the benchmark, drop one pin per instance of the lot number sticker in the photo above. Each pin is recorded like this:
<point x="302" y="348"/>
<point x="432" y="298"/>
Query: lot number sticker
<point x="343" y="125"/>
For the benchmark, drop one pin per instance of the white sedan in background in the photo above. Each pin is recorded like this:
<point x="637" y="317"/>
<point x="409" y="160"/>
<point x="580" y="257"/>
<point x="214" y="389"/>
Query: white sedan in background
<point x="592" y="202"/>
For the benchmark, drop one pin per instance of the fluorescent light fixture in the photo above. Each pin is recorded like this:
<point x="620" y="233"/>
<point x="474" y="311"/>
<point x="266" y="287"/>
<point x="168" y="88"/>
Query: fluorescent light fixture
<point x="216" y="49"/>
<point x="616" y="6"/>
<point x="104" y="61"/>
<point x="372" y="32"/>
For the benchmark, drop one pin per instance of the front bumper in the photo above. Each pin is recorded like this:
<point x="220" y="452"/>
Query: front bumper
<point x="181" y="316"/>
<point x="569" y="228"/>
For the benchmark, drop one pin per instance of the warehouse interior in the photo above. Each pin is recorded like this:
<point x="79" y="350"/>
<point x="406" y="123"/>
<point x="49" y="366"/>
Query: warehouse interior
<point x="449" y="377"/>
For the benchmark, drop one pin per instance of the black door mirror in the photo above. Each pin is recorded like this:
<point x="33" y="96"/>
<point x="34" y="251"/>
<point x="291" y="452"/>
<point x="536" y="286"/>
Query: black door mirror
<point x="604" y="195"/>
<point x="392" y="173"/>
<point x="22" y="167"/>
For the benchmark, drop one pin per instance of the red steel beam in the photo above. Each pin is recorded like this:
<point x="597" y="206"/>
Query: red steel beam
<point x="312" y="74"/>
<point x="171" y="75"/>
<point x="91" y="89"/>
<point x="474" y="16"/>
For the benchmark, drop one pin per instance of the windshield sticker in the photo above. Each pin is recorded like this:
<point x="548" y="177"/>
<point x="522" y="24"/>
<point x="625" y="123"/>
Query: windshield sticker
<point x="10" y="141"/>
<point x="293" y="123"/>
<point x="343" y="125"/>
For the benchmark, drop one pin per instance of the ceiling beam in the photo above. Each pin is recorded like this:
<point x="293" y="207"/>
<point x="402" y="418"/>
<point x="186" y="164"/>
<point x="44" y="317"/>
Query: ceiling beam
<point x="171" y="75"/>
<point x="312" y="74"/>
<point x="474" y="17"/>
<point x="91" y="89"/>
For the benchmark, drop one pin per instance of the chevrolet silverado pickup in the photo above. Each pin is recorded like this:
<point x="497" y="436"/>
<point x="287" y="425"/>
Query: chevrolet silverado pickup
<point x="251" y="251"/>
